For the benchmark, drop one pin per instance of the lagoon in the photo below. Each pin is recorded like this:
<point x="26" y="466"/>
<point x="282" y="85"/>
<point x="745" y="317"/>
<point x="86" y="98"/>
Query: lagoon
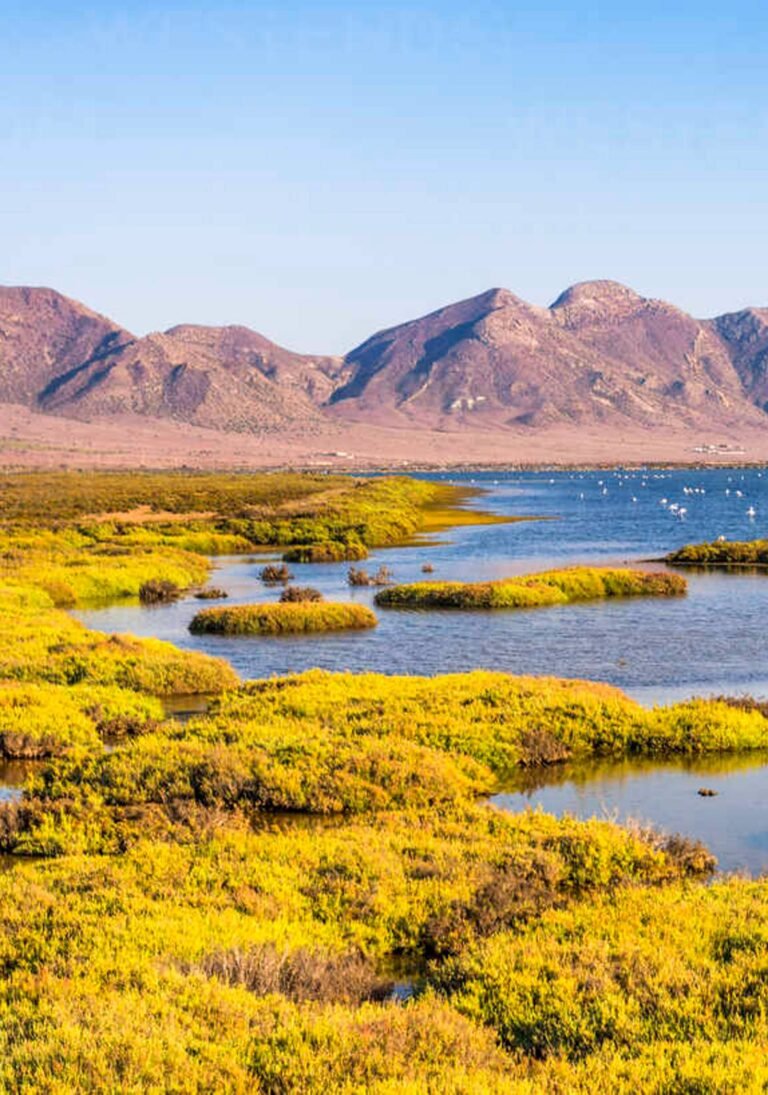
<point x="713" y="641"/>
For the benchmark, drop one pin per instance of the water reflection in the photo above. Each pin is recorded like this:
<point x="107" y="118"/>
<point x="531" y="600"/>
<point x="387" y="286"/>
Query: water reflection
<point x="733" y="824"/>
<point x="712" y="641"/>
<point x="13" y="775"/>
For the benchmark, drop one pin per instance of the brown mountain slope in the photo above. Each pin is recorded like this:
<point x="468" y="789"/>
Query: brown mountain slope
<point x="227" y="378"/>
<point x="746" y="336"/>
<point x="601" y="353"/>
<point x="44" y="334"/>
<point x="602" y="357"/>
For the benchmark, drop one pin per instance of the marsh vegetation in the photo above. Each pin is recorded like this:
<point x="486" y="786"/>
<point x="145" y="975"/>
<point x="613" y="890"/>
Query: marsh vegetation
<point x="300" y="612"/>
<point x="554" y="587"/>
<point x="721" y="553"/>
<point x="220" y="903"/>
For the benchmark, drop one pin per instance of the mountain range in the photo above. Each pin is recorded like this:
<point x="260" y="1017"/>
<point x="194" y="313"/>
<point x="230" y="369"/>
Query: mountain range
<point x="601" y="356"/>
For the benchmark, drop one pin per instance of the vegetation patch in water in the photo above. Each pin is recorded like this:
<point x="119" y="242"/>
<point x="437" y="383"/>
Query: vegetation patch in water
<point x="501" y="720"/>
<point x="272" y="574"/>
<point x="299" y="594"/>
<point x="721" y="553"/>
<point x="330" y="551"/>
<point x="287" y="617"/>
<point x="43" y="643"/>
<point x="555" y="587"/>
<point x="211" y="593"/>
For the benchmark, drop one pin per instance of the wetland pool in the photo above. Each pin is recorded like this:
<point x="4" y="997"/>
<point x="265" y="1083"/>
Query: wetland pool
<point x="713" y="641"/>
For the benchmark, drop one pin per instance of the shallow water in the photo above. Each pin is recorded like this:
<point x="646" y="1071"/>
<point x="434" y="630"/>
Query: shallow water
<point x="733" y="824"/>
<point x="13" y="774"/>
<point x="712" y="641"/>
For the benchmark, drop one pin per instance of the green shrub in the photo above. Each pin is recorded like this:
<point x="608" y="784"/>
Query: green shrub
<point x="47" y="720"/>
<point x="42" y="643"/>
<point x="673" y="966"/>
<point x="42" y="721"/>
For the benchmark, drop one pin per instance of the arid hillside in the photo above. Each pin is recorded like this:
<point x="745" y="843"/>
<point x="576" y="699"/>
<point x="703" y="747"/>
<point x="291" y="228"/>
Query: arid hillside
<point x="602" y="369"/>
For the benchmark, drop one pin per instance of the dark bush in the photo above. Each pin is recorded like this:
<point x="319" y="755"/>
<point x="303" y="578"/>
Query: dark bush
<point x="689" y="856"/>
<point x="273" y="574"/>
<point x="514" y="893"/>
<point x="125" y="726"/>
<point x="330" y="551"/>
<point x="358" y="576"/>
<point x="158" y="591"/>
<point x="300" y="975"/>
<point x="295" y="594"/>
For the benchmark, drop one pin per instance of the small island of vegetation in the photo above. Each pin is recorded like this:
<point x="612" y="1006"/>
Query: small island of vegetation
<point x="228" y="902"/>
<point x="554" y="587"/>
<point x="286" y="617"/>
<point x="721" y="553"/>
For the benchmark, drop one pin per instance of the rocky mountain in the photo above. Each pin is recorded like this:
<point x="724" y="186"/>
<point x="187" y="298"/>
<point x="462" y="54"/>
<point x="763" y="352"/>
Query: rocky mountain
<point x="746" y="335"/>
<point x="227" y="378"/>
<point x="44" y="334"/>
<point x="58" y="357"/>
<point x="601" y="355"/>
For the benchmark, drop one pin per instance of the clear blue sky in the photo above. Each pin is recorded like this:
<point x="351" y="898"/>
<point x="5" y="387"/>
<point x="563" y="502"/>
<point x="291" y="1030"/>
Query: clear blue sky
<point x="321" y="170"/>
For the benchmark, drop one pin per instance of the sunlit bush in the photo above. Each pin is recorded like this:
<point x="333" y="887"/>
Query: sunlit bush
<point x="287" y="617"/>
<point x="534" y="590"/>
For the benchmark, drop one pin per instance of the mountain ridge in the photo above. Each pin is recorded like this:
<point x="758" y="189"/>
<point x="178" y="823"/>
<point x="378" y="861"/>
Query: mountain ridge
<point x="601" y="355"/>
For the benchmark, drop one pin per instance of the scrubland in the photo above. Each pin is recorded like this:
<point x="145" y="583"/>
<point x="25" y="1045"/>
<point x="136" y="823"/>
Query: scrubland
<point x="227" y="903"/>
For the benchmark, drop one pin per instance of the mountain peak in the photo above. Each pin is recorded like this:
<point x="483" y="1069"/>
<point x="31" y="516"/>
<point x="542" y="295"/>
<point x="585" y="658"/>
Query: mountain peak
<point x="599" y="294"/>
<point x="601" y="354"/>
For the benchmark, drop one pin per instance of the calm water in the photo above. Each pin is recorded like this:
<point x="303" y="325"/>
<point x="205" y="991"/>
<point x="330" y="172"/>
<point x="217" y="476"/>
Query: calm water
<point x="13" y="773"/>
<point x="712" y="641"/>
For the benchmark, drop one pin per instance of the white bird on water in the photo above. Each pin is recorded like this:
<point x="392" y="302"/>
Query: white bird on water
<point x="751" y="513"/>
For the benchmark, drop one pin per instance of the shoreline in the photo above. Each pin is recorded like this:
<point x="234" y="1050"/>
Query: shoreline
<point x="404" y="467"/>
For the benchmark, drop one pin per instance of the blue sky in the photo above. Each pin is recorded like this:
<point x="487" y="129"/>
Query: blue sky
<point x="321" y="170"/>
